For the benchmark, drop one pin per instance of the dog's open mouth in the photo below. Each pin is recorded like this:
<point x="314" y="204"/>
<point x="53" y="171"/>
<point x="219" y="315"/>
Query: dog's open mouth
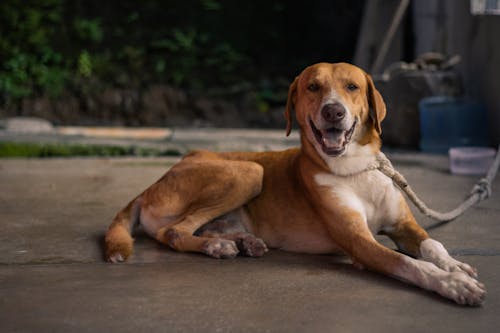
<point x="333" y="141"/>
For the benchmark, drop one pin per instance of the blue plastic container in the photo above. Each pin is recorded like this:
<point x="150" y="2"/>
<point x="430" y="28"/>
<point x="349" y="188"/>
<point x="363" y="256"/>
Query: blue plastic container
<point x="447" y="122"/>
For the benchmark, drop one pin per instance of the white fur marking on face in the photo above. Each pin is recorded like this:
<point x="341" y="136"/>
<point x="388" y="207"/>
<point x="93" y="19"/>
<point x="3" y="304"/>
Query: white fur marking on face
<point x="333" y="98"/>
<point x="433" y="251"/>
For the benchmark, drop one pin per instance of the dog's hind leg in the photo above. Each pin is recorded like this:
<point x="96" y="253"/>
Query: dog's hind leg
<point x="196" y="193"/>
<point x="181" y="237"/>
<point x="230" y="227"/>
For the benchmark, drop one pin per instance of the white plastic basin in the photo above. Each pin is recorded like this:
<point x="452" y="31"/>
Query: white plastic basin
<point x="471" y="160"/>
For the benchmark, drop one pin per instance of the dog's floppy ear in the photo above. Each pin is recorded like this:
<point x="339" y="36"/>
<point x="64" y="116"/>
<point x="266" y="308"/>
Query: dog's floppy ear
<point x="376" y="104"/>
<point x="290" y="105"/>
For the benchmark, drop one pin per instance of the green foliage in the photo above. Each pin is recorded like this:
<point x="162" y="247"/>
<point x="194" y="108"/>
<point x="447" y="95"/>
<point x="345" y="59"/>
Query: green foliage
<point x="192" y="54"/>
<point x="49" y="41"/>
<point x="211" y="4"/>
<point x="49" y="46"/>
<point x="24" y="72"/>
<point x="28" y="61"/>
<point x="90" y="30"/>
<point x="19" y="149"/>
<point x="84" y="64"/>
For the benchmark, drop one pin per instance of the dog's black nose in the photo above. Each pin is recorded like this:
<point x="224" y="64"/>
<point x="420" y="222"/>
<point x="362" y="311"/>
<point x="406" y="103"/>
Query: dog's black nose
<point x="333" y="112"/>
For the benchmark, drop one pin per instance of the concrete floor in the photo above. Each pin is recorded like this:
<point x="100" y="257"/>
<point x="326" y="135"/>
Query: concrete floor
<point x="52" y="277"/>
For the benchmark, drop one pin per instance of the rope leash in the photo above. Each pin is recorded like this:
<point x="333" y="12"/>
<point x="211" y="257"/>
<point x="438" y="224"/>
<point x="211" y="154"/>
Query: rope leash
<point x="480" y="191"/>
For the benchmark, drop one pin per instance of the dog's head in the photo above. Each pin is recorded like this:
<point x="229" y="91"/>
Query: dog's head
<point x="335" y="105"/>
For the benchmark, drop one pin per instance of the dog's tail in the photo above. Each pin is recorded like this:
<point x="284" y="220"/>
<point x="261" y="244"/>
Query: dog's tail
<point x="118" y="242"/>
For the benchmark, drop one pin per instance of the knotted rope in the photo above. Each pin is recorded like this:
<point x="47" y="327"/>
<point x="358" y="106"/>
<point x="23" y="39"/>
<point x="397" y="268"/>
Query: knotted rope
<point x="480" y="191"/>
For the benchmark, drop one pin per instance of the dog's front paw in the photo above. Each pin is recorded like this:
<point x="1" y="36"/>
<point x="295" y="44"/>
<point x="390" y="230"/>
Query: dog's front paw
<point x="451" y="265"/>
<point x="220" y="248"/>
<point x="433" y="251"/>
<point x="463" y="289"/>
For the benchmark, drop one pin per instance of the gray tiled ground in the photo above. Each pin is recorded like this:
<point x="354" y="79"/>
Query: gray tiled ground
<point x="52" y="278"/>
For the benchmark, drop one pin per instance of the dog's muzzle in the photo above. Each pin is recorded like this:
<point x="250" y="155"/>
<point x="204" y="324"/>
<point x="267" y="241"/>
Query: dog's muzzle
<point x="333" y="141"/>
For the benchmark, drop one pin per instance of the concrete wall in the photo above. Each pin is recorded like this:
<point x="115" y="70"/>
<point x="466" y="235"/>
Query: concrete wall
<point x="447" y="26"/>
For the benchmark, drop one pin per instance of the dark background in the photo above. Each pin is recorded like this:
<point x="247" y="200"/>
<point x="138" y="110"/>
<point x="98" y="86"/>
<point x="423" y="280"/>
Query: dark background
<point x="165" y="63"/>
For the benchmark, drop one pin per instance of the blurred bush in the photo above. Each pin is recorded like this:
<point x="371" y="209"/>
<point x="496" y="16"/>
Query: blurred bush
<point x="219" y="47"/>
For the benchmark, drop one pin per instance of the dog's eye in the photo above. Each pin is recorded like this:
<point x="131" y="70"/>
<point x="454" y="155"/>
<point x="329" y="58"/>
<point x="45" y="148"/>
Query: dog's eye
<point x="313" y="87"/>
<point x="352" y="87"/>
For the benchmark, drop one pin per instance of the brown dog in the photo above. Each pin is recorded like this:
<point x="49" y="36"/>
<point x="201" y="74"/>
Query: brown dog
<point x="319" y="198"/>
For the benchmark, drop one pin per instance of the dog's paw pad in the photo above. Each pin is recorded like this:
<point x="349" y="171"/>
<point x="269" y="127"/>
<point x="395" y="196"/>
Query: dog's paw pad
<point x="251" y="246"/>
<point x="220" y="248"/>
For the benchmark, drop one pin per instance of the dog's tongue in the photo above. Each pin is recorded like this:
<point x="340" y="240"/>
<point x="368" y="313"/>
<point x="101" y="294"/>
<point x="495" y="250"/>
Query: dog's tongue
<point x="333" y="139"/>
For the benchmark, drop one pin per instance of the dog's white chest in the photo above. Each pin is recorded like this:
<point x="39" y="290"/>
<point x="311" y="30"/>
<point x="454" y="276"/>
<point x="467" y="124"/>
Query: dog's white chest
<point x="369" y="193"/>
